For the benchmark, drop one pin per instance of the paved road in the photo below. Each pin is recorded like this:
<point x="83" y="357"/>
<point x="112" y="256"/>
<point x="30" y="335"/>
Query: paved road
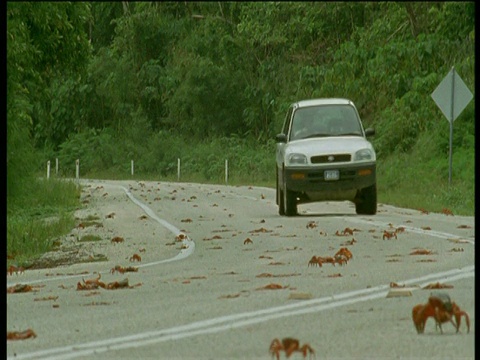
<point x="208" y="296"/>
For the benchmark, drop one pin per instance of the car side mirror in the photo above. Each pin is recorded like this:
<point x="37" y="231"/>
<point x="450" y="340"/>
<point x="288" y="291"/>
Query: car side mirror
<point x="281" y="138"/>
<point x="369" y="132"/>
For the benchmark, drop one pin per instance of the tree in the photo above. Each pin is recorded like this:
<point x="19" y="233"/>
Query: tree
<point x="44" y="40"/>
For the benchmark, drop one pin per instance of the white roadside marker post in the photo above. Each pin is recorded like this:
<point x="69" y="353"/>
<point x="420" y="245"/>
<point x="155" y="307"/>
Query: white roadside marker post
<point x="178" y="169"/>
<point x="226" y="171"/>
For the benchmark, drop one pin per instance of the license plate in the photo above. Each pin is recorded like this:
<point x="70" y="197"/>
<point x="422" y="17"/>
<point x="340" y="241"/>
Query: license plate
<point x="331" y="175"/>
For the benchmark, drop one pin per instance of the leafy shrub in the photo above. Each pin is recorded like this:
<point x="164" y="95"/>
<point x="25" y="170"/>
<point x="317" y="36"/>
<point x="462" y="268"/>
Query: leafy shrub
<point x="95" y="149"/>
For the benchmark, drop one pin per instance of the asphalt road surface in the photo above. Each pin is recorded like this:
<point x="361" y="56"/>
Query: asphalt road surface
<point x="222" y="274"/>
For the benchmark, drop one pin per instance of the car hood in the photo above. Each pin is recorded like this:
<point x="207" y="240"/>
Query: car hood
<point x="328" y="145"/>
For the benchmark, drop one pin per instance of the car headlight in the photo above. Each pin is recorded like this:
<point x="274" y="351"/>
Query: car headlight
<point x="296" y="159"/>
<point x="364" y="154"/>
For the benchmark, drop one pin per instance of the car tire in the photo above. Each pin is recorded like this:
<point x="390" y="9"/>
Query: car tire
<point x="290" y="202"/>
<point x="366" y="204"/>
<point x="280" y="202"/>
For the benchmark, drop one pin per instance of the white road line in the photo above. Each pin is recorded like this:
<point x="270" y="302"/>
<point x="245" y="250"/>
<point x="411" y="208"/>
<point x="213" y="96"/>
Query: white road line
<point x="150" y="213"/>
<point x="228" y="322"/>
<point x="187" y="242"/>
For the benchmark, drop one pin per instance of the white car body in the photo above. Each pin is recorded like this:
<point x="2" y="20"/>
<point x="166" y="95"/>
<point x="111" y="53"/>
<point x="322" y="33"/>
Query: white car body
<point x="327" y="145"/>
<point x="328" y="164"/>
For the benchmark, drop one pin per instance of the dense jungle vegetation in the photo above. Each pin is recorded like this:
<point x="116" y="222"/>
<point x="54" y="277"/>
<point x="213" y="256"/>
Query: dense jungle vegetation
<point x="154" y="82"/>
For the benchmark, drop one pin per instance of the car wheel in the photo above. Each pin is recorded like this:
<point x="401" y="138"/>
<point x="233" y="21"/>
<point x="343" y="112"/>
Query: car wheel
<point x="290" y="202"/>
<point x="280" y="202"/>
<point x="367" y="201"/>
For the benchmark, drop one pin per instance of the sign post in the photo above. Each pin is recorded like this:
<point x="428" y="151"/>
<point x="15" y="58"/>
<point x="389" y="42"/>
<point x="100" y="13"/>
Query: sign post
<point x="451" y="96"/>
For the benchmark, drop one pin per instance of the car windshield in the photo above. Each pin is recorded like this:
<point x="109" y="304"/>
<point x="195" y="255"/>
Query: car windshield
<point x="325" y="120"/>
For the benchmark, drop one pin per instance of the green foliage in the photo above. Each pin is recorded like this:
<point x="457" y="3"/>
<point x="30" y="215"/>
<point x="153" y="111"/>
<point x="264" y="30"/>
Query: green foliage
<point x="246" y="160"/>
<point x="44" y="40"/>
<point x="207" y="102"/>
<point x="158" y="157"/>
<point x="68" y="111"/>
<point x="95" y="150"/>
<point x="103" y="16"/>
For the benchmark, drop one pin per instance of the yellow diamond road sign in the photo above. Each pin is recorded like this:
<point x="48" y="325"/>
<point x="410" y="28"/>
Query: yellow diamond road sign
<point x="452" y="95"/>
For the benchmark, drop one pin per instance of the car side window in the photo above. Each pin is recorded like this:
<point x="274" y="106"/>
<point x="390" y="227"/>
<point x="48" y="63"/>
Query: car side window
<point x="288" y="119"/>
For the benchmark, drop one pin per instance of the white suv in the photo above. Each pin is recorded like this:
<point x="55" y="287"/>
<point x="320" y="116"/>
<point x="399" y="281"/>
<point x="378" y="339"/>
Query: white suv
<point x="323" y="155"/>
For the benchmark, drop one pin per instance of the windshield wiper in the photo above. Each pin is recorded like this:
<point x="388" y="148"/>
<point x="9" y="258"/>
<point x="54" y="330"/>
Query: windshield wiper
<point x="356" y="133"/>
<point x="316" y="135"/>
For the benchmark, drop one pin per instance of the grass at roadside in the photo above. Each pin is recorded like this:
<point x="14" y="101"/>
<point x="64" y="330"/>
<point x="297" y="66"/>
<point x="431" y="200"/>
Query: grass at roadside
<point x="407" y="181"/>
<point x="37" y="220"/>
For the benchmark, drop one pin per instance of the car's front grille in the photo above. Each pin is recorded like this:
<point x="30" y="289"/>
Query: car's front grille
<point x="330" y="159"/>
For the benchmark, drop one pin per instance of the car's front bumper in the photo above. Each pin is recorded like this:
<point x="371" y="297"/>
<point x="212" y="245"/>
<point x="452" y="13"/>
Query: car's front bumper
<point x="311" y="179"/>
